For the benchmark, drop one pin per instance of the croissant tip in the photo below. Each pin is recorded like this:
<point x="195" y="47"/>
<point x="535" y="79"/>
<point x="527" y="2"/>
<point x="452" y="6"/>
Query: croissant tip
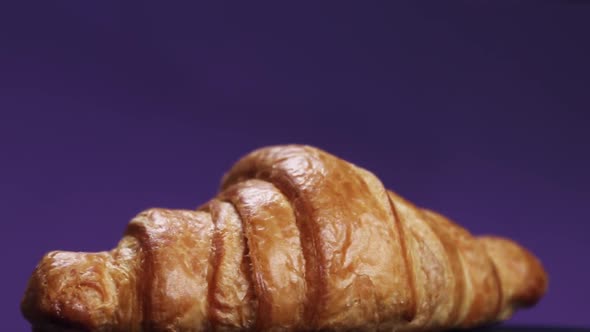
<point x="64" y="292"/>
<point x="538" y="281"/>
<point x="520" y="265"/>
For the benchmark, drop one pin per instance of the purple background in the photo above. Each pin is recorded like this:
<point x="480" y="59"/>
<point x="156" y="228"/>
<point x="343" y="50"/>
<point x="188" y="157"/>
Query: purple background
<point x="477" y="110"/>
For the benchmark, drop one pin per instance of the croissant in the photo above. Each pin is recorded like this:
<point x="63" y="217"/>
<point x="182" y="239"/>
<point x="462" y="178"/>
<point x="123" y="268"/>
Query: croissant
<point x="297" y="239"/>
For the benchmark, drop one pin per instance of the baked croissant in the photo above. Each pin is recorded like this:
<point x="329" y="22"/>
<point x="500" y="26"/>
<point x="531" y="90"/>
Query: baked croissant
<point x="297" y="239"/>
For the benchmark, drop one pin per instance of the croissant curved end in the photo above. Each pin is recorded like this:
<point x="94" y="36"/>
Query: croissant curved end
<point x="524" y="279"/>
<point x="70" y="291"/>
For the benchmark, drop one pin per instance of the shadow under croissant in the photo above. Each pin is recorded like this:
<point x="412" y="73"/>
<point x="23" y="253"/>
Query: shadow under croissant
<point x="526" y="328"/>
<point x="49" y="327"/>
<point x="55" y="328"/>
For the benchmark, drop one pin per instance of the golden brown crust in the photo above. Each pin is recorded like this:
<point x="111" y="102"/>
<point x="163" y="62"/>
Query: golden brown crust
<point x="434" y="280"/>
<point x="348" y="213"/>
<point x="483" y="292"/>
<point x="273" y="240"/>
<point x="297" y="239"/>
<point x="176" y="270"/>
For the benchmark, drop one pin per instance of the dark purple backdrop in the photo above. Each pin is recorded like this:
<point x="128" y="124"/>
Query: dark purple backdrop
<point x="476" y="110"/>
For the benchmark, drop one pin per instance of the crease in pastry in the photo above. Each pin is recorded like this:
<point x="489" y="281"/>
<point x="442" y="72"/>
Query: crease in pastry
<point x="411" y="314"/>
